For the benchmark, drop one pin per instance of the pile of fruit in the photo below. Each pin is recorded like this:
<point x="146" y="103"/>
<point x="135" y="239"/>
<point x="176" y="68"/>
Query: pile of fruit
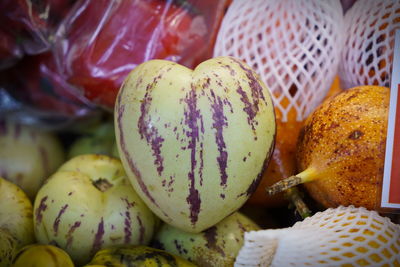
<point x="162" y="159"/>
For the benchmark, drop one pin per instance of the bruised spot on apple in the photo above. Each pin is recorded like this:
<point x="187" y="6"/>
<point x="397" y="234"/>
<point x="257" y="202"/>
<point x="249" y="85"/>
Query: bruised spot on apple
<point x="89" y="204"/>
<point x="183" y="134"/>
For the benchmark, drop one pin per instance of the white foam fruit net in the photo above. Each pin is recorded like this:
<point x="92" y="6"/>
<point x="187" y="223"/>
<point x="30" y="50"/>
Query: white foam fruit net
<point x="367" y="55"/>
<point x="344" y="236"/>
<point x="293" y="45"/>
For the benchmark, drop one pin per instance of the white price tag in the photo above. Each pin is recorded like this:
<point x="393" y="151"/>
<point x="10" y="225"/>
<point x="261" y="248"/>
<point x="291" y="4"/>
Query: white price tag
<point x="391" y="177"/>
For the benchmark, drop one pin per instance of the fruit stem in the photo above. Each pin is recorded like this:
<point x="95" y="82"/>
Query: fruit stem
<point x="102" y="184"/>
<point x="283" y="185"/>
<point x="293" y="194"/>
<point x="303" y="177"/>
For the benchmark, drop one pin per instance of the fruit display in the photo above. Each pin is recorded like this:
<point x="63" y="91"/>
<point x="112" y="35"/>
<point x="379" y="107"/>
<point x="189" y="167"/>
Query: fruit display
<point x="16" y="221"/>
<point x="194" y="142"/>
<point x="199" y="133"/>
<point x="341" y="149"/>
<point x="216" y="246"/>
<point x="101" y="140"/>
<point x="282" y="47"/>
<point x="8" y="247"/>
<point x="367" y="56"/>
<point x="88" y="204"/>
<point x="343" y="236"/>
<point x="16" y="213"/>
<point x="137" y="256"/>
<point x="41" y="153"/>
<point x="42" y="255"/>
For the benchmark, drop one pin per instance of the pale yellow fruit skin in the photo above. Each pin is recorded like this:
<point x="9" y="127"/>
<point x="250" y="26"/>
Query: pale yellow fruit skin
<point x="342" y="145"/>
<point x="216" y="246"/>
<point x="157" y="101"/>
<point x="42" y="256"/>
<point x="8" y="247"/>
<point x="100" y="141"/>
<point x="93" y="219"/>
<point x="28" y="155"/>
<point x="137" y="256"/>
<point x="16" y="213"/>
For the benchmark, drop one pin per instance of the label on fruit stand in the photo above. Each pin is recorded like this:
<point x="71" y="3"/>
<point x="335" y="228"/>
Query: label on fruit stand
<point x="391" y="178"/>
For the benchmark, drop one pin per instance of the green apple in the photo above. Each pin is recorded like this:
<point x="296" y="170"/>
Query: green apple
<point x="16" y="213"/>
<point x="89" y="204"/>
<point x="194" y="143"/>
<point x="28" y="155"/>
<point x="216" y="246"/>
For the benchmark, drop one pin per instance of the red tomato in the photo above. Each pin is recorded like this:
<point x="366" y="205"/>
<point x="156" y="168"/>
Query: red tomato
<point x="109" y="38"/>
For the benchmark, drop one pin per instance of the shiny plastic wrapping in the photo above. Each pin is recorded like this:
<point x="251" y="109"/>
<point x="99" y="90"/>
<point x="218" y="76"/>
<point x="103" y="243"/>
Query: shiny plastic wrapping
<point x="34" y="93"/>
<point x="101" y="41"/>
<point x="64" y="60"/>
<point x="28" y="26"/>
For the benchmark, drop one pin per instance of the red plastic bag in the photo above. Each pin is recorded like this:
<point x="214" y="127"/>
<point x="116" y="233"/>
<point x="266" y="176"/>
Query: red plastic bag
<point x="39" y="95"/>
<point x="101" y="41"/>
<point x="28" y="26"/>
<point x="10" y="52"/>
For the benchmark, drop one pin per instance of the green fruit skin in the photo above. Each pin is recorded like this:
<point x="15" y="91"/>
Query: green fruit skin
<point x="37" y="255"/>
<point x="28" y="155"/>
<point x="72" y="213"/>
<point x="114" y="151"/>
<point x="8" y="247"/>
<point x="137" y="256"/>
<point x="89" y="145"/>
<point x="101" y="141"/>
<point x="216" y="246"/>
<point x="16" y="213"/>
<point x="194" y="143"/>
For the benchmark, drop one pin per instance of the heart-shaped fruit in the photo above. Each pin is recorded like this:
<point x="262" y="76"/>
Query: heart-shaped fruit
<point x="194" y="143"/>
